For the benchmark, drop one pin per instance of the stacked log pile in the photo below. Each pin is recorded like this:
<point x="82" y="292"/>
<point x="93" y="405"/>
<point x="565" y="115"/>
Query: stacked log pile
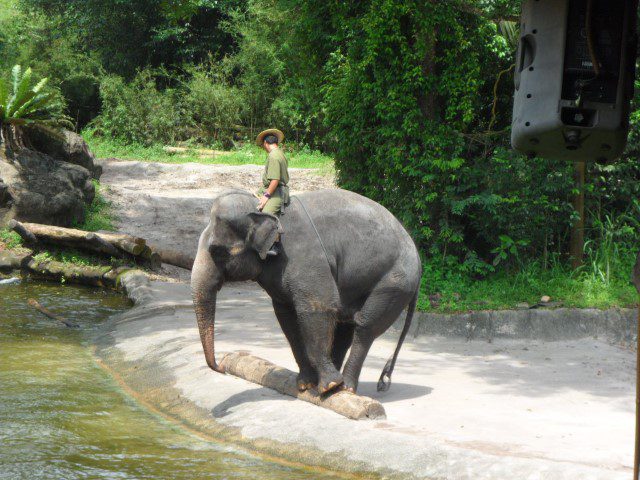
<point x="117" y="245"/>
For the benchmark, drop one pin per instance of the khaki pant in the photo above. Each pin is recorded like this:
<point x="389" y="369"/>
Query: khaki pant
<point x="273" y="206"/>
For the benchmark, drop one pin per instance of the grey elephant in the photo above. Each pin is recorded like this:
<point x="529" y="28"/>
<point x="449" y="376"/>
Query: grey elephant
<point x="346" y="270"/>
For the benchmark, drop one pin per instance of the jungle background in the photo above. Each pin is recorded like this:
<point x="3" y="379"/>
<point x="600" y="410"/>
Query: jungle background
<point x="409" y="102"/>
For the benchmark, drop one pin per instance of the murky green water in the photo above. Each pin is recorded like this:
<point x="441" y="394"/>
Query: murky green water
<point x="63" y="417"/>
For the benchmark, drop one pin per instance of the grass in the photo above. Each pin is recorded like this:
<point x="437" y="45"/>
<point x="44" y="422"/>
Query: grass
<point x="99" y="215"/>
<point x="10" y="239"/>
<point x="104" y="147"/>
<point x="70" y="256"/>
<point x="448" y="291"/>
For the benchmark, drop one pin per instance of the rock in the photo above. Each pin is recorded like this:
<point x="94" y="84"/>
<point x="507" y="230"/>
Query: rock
<point x="38" y="188"/>
<point x="545" y="299"/>
<point x="5" y="197"/>
<point x="65" y="146"/>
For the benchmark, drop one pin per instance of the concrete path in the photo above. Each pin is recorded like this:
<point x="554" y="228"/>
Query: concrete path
<point x="456" y="410"/>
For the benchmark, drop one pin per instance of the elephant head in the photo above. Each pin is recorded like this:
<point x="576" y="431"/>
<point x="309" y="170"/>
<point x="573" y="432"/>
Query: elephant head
<point x="231" y="248"/>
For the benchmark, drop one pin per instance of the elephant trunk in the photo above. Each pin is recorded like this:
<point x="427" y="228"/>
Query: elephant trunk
<point x="204" y="287"/>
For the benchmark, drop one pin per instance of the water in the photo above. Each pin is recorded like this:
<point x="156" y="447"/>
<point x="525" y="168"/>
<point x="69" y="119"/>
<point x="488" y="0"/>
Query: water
<point x="63" y="417"/>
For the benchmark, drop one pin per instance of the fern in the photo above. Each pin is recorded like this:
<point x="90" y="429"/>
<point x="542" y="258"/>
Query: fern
<point x="22" y="103"/>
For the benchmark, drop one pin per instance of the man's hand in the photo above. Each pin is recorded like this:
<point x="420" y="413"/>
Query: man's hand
<point x="263" y="202"/>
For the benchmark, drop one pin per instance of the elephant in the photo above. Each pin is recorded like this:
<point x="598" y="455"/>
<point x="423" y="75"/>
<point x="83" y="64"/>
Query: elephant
<point x="346" y="270"/>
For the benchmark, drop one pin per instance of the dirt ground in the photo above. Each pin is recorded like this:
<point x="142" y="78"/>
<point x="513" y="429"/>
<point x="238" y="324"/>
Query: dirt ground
<point x="168" y="204"/>
<point x="458" y="409"/>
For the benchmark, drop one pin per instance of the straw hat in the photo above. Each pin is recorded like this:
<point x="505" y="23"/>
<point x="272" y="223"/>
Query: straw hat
<point x="270" y="131"/>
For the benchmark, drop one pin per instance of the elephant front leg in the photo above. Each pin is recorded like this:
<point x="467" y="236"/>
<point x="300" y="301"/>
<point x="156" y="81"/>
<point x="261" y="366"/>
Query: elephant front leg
<point x="317" y="331"/>
<point x="287" y="318"/>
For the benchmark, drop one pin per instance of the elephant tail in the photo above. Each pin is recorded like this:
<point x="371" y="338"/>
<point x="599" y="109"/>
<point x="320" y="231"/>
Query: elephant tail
<point x="385" y="377"/>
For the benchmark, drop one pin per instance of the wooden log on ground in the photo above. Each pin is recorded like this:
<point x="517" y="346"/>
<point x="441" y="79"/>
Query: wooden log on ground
<point x="173" y="257"/>
<point x="71" y="237"/>
<point x="203" y="152"/>
<point x="263" y="372"/>
<point x="20" y="229"/>
<point x="102" y="245"/>
<point x="69" y="273"/>
<point x="48" y="313"/>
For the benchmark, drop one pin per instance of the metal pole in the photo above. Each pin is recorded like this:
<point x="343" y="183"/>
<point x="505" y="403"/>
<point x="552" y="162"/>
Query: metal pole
<point x="577" y="231"/>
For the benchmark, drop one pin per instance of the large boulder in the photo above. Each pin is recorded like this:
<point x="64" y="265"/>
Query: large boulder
<point x="36" y="187"/>
<point x="63" y="145"/>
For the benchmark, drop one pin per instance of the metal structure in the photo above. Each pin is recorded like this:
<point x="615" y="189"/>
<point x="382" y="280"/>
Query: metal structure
<point x="574" y="78"/>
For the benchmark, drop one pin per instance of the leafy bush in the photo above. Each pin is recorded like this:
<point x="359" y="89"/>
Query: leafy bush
<point x="139" y="112"/>
<point x="212" y="106"/>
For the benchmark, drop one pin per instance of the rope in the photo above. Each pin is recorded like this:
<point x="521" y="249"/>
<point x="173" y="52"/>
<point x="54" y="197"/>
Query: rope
<point x="314" y="229"/>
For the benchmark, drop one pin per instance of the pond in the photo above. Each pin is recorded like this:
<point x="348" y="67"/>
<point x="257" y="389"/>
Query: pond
<point x="63" y="417"/>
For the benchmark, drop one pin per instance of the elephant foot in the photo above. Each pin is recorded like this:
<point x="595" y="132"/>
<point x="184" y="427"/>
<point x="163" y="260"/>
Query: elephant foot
<point x="330" y="383"/>
<point x="305" y="381"/>
<point x="349" y="385"/>
<point x="346" y="389"/>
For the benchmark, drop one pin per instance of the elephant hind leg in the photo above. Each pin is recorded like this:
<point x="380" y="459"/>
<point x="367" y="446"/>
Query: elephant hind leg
<point x="342" y="338"/>
<point x="383" y="306"/>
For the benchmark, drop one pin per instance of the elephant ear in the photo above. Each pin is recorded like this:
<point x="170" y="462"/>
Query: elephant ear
<point x="262" y="233"/>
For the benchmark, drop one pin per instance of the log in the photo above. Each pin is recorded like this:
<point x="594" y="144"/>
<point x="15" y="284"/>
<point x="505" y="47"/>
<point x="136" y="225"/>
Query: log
<point x="101" y="245"/>
<point x="203" y="152"/>
<point x="64" y="272"/>
<point x="173" y="257"/>
<point x="112" y="244"/>
<point x="20" y="229"/>
<point x="71" y="237"/>
<point x="263" y="372"/>
<point x="48" y="313"/>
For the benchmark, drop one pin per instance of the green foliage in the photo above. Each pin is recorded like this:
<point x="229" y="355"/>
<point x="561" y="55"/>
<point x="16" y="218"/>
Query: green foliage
<point x="10" y="239"/>
<point x="22" y="102"/>
<point x="248" y="155"/>
<point x="72" y="256"/>
<point x="128" y="35"/>
<point x="413" y="99"/>
<point x="212" y="106"/>
<point x="138" y="112"/>
<point x="448" y="288"/>
<point x="98" y="215"/>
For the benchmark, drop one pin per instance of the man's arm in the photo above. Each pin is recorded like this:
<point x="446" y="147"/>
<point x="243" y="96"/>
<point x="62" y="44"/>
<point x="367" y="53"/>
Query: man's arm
<point x="269" y="191"/>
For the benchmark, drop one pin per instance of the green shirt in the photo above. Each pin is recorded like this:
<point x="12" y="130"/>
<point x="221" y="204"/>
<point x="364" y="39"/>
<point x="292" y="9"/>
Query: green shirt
<point x="276" y="168"/>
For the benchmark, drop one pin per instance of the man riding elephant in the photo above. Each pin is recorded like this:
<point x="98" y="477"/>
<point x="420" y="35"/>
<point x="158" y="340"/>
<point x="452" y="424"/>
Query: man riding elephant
<point x="275" y="192"/>
<point x="275" y="179"/>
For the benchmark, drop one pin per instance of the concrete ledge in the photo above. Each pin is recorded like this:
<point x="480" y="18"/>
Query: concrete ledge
<point x="613" y="325"/>
<point x="512" y="408"/>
